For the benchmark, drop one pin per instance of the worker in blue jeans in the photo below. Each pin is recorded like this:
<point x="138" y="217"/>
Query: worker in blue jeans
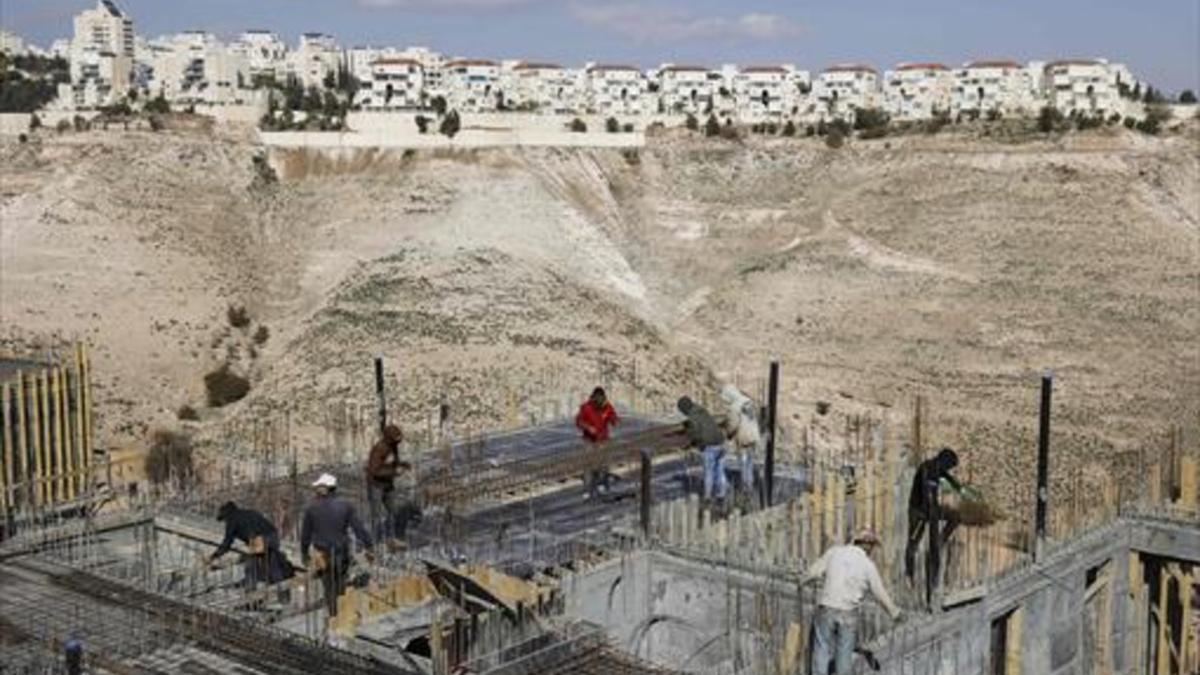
<point x="705" y="435"/>
<point x="846" y="573"/>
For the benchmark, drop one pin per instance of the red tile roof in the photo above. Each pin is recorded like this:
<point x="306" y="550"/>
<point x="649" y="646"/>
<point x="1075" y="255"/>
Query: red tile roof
<point x="684" y="69"/>
<point x="470" y="62"/>
<point x="764" y="69"/>
<point x="921" y="66"/>
<point x="1074" y="62"/>
<point x="609" y="66"/>
<point x="395" y="61"/>
<point x="533" y="65"/>
<point x="851" y="68"/>
<point x="997" y="63"/>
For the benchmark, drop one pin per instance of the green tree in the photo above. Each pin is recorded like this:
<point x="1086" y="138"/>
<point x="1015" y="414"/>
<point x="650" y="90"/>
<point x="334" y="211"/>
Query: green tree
<point x="712" y="127"/>
<point x="692" y="123"/>
<point x="422" y="123"/>
<point x="611" y="125"/>
<point x="1049" y="119"/>
<point x="158" y="105"/>
<point x="578" y="126"/>
<point x="1187" y="96"/>
<point x="439" y="105"/>
<point x="450" y="124"/>
<point x="789" y="129"/>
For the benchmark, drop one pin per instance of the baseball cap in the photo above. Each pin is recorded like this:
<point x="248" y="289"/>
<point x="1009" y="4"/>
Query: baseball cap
<point x="326" y="480"/>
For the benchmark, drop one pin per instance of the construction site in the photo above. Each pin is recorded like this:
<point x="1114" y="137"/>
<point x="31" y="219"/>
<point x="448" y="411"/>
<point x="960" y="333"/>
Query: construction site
<point x="514" y="568"/>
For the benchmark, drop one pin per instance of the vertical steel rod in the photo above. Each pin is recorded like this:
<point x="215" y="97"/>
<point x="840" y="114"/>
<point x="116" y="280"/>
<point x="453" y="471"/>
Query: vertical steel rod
<point x="772" y="412"/>
<point x="1043" y="463"/>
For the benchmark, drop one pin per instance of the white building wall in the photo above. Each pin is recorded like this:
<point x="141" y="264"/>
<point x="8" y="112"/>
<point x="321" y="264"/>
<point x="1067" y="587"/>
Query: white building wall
<point x="393" y="84"/>
<point x="918" y="91"/>
<point x="471" y="85"/>
<point x="841" y="90"/>
<point x="616" y="90"/>
<point x="1086" y="87"/>
<point x="685" y="90"/>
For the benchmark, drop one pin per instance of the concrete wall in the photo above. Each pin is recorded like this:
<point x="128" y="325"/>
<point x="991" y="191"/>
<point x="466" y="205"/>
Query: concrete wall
<point x="14" y="124"/>
<point x="468" y="138"/>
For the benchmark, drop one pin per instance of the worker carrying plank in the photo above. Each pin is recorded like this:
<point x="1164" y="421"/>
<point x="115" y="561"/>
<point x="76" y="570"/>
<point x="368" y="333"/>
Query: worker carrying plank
<point x="924" y="506"/>
<point x="846" y="573"/>
<point x="393" y="508"/>
<point x="264" y="562"/>
<point x="324" y="532"/>
<point x="596" y="415"/>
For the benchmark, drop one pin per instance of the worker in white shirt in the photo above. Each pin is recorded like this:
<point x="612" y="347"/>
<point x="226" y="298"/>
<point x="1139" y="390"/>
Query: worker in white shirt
<point x="741" y="426"/>
<point x="847" y="573"/>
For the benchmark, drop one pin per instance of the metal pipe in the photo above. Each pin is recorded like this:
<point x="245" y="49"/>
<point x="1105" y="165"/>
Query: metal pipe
<point x="1043" y="463"/>
<point x="379" y="393"/>
<point x="647" y="491"/>
<point x="772" y="412"/>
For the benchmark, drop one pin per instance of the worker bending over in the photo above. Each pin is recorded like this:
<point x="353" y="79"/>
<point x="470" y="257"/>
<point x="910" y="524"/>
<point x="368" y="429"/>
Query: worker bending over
<point x="593" y="420"/>
<point x="324" y="528"/>
<point x="847" y="573"/>
<point x="745" y="438"/>
<point x="706" y="436"/>
<point x="924" y="504"/>
<point x="265" y="562"/>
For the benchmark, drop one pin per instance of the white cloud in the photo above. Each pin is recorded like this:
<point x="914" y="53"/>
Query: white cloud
<point x="648" y="23"/>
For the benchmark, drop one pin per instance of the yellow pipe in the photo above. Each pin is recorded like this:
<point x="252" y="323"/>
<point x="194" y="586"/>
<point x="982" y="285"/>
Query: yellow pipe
<point x="64" y="435"/>
<point x="7" y="499"/>
<point x="69" y="428"/>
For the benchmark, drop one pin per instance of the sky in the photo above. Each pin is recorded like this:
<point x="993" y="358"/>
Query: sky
<point x="1158" y="39"/>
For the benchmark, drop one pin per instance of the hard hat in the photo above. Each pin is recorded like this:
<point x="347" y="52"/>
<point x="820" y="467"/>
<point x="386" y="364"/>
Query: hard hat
<point x="327" y="480"/>
<point x="866" y="536"/>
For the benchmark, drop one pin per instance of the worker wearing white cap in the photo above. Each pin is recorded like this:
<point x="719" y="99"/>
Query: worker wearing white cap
<point x="847" y="573"/>
<point x="324" y="528"/>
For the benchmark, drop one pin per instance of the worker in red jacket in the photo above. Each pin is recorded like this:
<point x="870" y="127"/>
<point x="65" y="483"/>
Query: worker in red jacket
<point x="595" y="417"/>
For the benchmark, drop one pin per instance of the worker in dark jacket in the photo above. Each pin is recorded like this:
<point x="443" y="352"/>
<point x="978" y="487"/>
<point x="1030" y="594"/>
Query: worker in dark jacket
<point x="705" y="435"/>
<point x="391" y="512"/>
<point x="323" y="528"/>
<point x="923" y="503"/>
<point x="593" y="420"/>
<point x="265" y="562"/>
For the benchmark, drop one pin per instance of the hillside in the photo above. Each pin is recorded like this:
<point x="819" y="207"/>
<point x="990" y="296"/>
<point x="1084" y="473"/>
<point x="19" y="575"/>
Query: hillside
<point x="506" y="283"/>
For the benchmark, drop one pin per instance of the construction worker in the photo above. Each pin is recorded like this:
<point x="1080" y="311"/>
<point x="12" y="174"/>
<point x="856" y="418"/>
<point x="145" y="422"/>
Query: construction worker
<point x="324" y="529"/>
<point x="390" y="511"/>
<point x="741" y="425"/>
<point x="846" y="573"/>
<point x="596" y="415"/>
<point x="923" y="504"/>
<point x="265" y="562"/>
<point x="706" y="436"/>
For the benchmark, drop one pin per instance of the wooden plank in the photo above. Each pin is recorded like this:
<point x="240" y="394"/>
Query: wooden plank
<point x="69" y="435"/>
<point x="80" y="460"/>
<point x="1012" y="645"/>
<point x="86" y="383"/>
<point x="1164" y="635"/>
<point x="1189" y="492"/>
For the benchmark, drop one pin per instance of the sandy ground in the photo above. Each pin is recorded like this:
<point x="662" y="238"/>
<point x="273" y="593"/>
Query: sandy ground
<point x="506" y="283"/>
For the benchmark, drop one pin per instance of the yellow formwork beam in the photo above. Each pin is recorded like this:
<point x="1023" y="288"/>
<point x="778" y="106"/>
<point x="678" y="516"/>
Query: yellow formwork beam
<point x="85" y="404"/>
<point x="56" y="394"/>
<point x="80" y="466"/>
<point x="47" y="471"/>
<point x="35" y="437"/>
<point x="1189" y="491"/>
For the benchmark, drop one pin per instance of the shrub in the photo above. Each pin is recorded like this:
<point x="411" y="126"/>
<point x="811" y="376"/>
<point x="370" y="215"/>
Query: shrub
<point x="262" y="335"/>
<point x="450" y="124"/>
<point x="611" y="125"/>
<point x="1130" y="123"/>
<point x="1085" y="122"/>
<point x="712" y="127"/>
<point x="628" y="128"/>
<point x="237" y="315"/>
<point x="158" y="105"/>
<point x="870" y="118"/>
<point x="994" y="115"/>
<point x="62" y="127"/>
<point x="422" y="123"/>
<point x="789" y="129"/>
<point x="771" y="128"/>
<point x="35" y="122"/>
<point x="729" y="132"/>
<point x="156" y="123"/>
<point x="1156" y="115"/>
<point x="578" y="126"/>
<point x="937" y="122"/>
<point x="169" y="459"/>
<point x="873" y="132"/>
<point x="1114" y="119"/>
<point x="834" y="139"/>
<point x="187" y="412"/>
<point x="225" y="386"/>
<point x="23" y="138"/>
<point x="810" y="131"/>
<point x="80" y="123"/>
<point x="1187" y="96"/>
<point x="692" y="123"/>
<point x="1050" y="119"/>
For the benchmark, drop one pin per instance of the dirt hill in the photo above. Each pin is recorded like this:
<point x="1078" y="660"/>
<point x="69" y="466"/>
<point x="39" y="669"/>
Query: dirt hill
<point x="506" y="283"/>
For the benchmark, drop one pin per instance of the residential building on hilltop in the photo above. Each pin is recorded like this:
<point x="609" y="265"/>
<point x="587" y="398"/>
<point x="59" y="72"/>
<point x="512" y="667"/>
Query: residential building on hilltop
<point x="844" y="88"/>
<point x="265" y="53"/>
<point x="1086" y="86"/>
<point x="997" y="87"/>
<point x="685" y="90"/>
<point x="546" y="87"/>
<point x="393" y="83"/>
<point x="615" y="89"/>
<point x="472" y="85"/>
<point x="101" y="57"/>
<point x="916" y="91"/>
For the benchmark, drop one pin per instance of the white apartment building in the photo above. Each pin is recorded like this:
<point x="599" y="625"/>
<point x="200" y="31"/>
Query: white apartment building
<point x="101" y="57"/>
<point x="316" y="58"/>
<point x="471" y="85"/>
<point x="1085" y="86"/>
<point x="917" y="91"/>
<point x="844" y="88"/>
<point x="686" y="89"/>
<point x="194" y="67"/>
<point x="616" y="90"/>
<point x="265" y="53"/>
<point x="12" y="44"/>
<point x="766" y="93"/>
<point x="546" y="87"/>
<point x="1000" y="85"/>
<point x="393" y="84"/>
